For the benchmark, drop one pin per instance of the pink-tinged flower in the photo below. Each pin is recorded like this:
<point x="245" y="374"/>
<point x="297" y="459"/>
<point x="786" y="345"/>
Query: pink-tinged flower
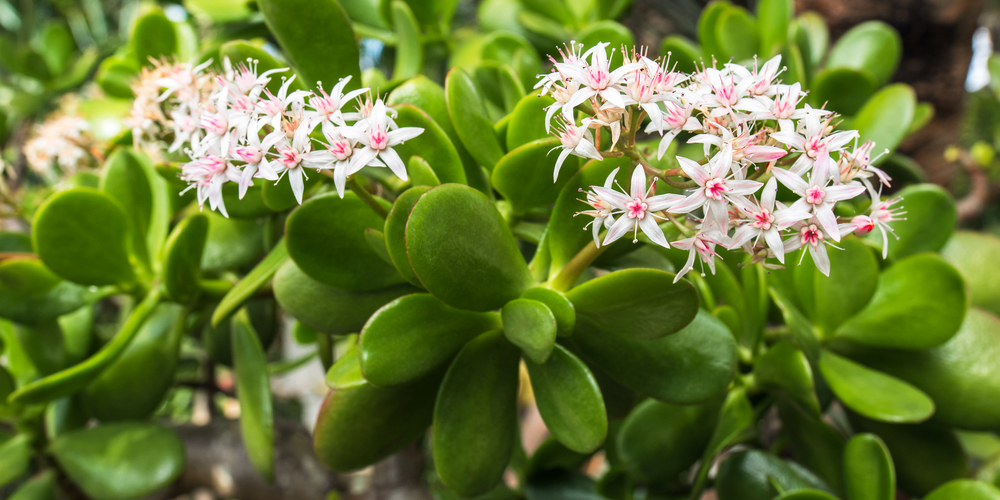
<point x="378" y="140"/>
<point x="575" y="140"/>
<point x="701" y="244"/>
<point x="677" y="119"/>
<point x="637" y="210"/>
<point x="185" y="127"/>
<point x="882" y="214"/>
<point x="813" y="236"/>
<point x="858" y="164"/>
<point x="207" y="175"/>
<point x="640" y="90"/>
<point x="290" y="161"/>
<point x="337" y="155"/>
<point x="597" y="78"/>
<point x="813" y="140"/>
<point x="663" y="80"/>
<point x="601" y="211"/>
<point x="254" y="156"/>
<point x="327" y="107"/>
<point x="863" y="225"/>
<point x="726" y="92"/>
<point x="715" y="190"/>
<point x="760" y="79"/>
<point x="781" y="108"/>
<point x="271" y="108"/>
<point x="245" y="78"/>
<point x="764" y="221"/>
<point x="818" y="197"/>
<point x="367" y="110"/>
<point x="746" y="146"/>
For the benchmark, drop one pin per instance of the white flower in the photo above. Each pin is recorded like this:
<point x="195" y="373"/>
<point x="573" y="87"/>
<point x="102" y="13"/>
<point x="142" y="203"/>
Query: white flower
<point x="271" y="108"/>
<point x="765" y="221"/>
<point x="637" y="210"/>
<point x="337" y="155"/>
<point x="254" y="156"/>
<point x="677" y="119"/>
<point x="813" y="139"/>
<point x="760" y="80"/>
<point x="326" y="108"/>
<point x="882" y="214"/>
<point x="715" y="191"/>
<point x="814" y="237"/>
<point x="575" y="140"/>
<point x="602" y="211"/>
<point x="597" y="78"/>
<point x="207" y="175"/>
<point x="726" y="91"/>
<point x="245" y="78"/>
<point x="818" y="197"/>
<point x="290" y="156"/>
<point x="701" y="244"/>
<point x="378" y="140"/>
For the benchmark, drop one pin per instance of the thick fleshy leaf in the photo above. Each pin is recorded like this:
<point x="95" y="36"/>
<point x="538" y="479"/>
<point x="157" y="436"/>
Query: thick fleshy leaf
<point x="786" y="369"/>
<point x="878" y="120"/>
<point x="607" y="30"/>
<point x="734" y="418"/>
<point x="524" y="175"/>
<point x="919" y="303"/>
<point x="327" y="309"/>
<point x="462" y="251"/>
<point x="40" y="487"/>
<point x="692" y="365"/>
<point x="414" y="335"/>
<point x="469" y="117"/>
<point x="527" y="121"/>
<point x="874" y="394"/>
<point x="130" y="178"/>
<point x="965" y="489"/>
<point x="815" y="444"/>
<point x="804" y="334"/>
<point x="153" y="37"/>
<point x="360" y="426"/>
<point x="82" y="235"/>
<point x="218" y="342"/>
<point x="515" y="51"/>
<point x="868" y="470"/>
<point x="475" y="416"/>
<point x="252" y="281"/>
<point x="409" y="51"/>
<point x="15" y="457"/>
<point x="530" y="325"/>
<point x="706" y="27"/>
<point x="636" y="303"/>
<point x="683" y="51"/>
<point x="843" y="90"/>
<point x="773" y="17"/>
<point x="753" y="475"/>
<point x="27" y="276"/>
<point x="873" y="47"/>
<point x="558" y="304"/>
<point x="433" y="145"/>
<point x="132" y="387"/>
<point x="44" y="344"/>
<point x="421" y="173"/>
<point x="971" y="253"/>
<point x="238" y="51"/>
<point x="232" y="243"/>
<point x="32" y="300"/>
<point x="659" y="441"/>
<point x="120" y="461"/>
<point x="851" y="284"/>
<point x="395" y="231"/>
<point x="253" y="389"/>
<point x="569" y="400"/>
<point x="931" y="217"/>
<point x="346" y="372"/>
<point x="925" y="455"/>
<point x="182" y="258"/>
<point x="806" y="494"/>
<point x="278" y="196"/>
<point x="502" y="89"/>
<point x="736" y="34"/>
<point x="326" y="239"/>
<point x="317" y="37"/>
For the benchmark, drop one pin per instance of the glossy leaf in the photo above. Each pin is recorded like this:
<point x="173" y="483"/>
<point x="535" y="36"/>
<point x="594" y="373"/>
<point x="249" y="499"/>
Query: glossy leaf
<point x="736" y="34"/>
<point x="569" y="400"/>
<point x="530" y="325"/>
<point x="15" y="457"/>
<point x="811" y="36"/>
<point x="252" y="281"/>
<point x="872" y="393"/>
<point x="475" y="416"/>
<point x="27" y="276"/>
<point x="919" y="303"/>
<point x="753" y="474"/>
<point x="326" y="239"/>
<point x="432" y="145"/>
<point x="560" y="306"/>
<point x="321" y="45"/>
<point x="153" y="37"/>
<point x="40" y="487"/>
<point x="414" y="335"/>
<point x="524" y="175"/>
<point x="129" y="177"/>
<point x="606" y="30"/>
<point x="683" y="51"/>
<point x="527" y="121"/>
<point x="964" y="489"/>
<point x="878" y="120"/>
<point x="806" y="494"/>
<point x="636" y="303"/>
<point x="456" y="241"/>
<point x="395" y="231"/>
<point x="409" y="52"/>
<point x="279" y="197"/>
<point x="971" y="253"/>
<point x="851" y="284"/>
<point x="873" y="47"/>
<point x="659" y="441"/>
<point x="421" y="173"/>
<point x="469" y="117"/>
<point x="346" y="372"/>
<point x="232" y="243"/>
<point x="706" y="27"/>
<point x="182" y="258"/>
<point x="253" y="389"/>
<point x="816" y="444"/>
<point x="843" y="90"/>
<point x="81" y="234"/>
<point x="120" y="461"/>
<point x="773" y="17"/>
<point x="931" y="218"/>
<point x="785" y="368"/>
<point x="868" y="470"/>
<point x="23" y="307"/>
<point x="238" y="51"/>
<point x="692" y="365"/>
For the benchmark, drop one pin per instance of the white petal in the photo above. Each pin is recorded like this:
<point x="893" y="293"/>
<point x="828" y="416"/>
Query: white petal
<point x="651" y="229"/>
<point x="618" y="229"/>
<point x="638" y="185"/>
<point x="394" y="162"/>
<point x="295" y="180"/>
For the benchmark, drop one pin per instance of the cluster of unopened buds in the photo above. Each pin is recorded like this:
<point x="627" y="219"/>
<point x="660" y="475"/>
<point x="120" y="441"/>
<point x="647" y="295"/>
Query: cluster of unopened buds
<point x="234" y="129"/>
<point x="749" y="124"/>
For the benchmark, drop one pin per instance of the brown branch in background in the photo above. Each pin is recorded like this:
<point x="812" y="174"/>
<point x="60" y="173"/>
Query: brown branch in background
<point x="975" y="201"/>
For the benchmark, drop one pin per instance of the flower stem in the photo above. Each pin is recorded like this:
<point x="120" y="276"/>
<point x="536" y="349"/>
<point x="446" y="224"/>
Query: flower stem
<point x="368" y="198"/>
<point x="576" y="266"/>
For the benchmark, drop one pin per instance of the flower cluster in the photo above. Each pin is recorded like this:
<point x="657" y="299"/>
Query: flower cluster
<point x="755" y="136"/>
<point x="62" y="141"/>
<point x="234" y="128"/>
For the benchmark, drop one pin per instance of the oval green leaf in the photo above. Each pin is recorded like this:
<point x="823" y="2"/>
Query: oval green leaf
<point x="868" y="470"/>
<point x="470" y="119"/>
<point x="433" y="145"/>
<point x="786" y="368"/>
<point x="872" y="47"/>
<point x="736" y="34"/>
<point x="965" y="489"/>
<point x="153" y="37"/>
<point x="874" y="394"/>
<point x="182" y="258"/>
<point x="753" y="475"/>
<point x="971" y="253"/>
<point x="530" y="325"/>
<point x="346" y="372"/>
<point x="524" y="175"/>
<point x="773" y="17"/>
<point x="527" y="121"/>
<point x="878" y="120"/>
<point x="931" y="218"/>
<point x="659" y="441"/>
<point x="558" y="304"/>
<point x="253" y="389"/>
<point x="569" y="400"/>
<point x="253" y="281"/>
<point x="395" y="231"/>
<point x="842" y="90"/>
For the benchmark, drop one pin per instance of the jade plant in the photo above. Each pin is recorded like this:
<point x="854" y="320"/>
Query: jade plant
<point x="706" y="269"/>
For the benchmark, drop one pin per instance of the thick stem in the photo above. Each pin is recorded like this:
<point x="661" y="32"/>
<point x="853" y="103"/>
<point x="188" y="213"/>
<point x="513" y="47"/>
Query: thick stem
<point x="576" y="266"/>
<point x="368" y="198"/>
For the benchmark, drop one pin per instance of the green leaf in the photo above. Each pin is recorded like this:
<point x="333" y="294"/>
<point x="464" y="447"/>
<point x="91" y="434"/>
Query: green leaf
<point x="468" y="115"/>
<point x="409" y="51"/>
<point x="413" y="335"/>
<point x="874" y="394"/>
<point x="253" y="389"/>
<point x="115" y="74"/>
<point x="558" y="304"/>
<point x="922" y="115"/>
<point x="523" y="176"/>
<point x="811" y="36"/>
<point x="931" y="217"/>
<point x="82" y="235"/>
<point x="659" y="441"/>
<point x="797" y="71"/>
<point x="971" y="253"/>
<point x="636" y="303"/>
<point x="964" y="489"/>
<point x="24" y="303"/>
<point x="120" y="461"/>
<point x="736" y="34"/>
<point x="27" y="276"/>
<point x="773" y="17"/>
<point x="868" y="470"/>
<point x="395" y="231"/>
<point x="278" y="196"/>
<point x="804" y="335"/>
<point x="456" y="241"/>
<point x="683" y="51"/>
<point x="376" y="240"/>
<point x="753" y="475"/>
<point x="735" y="417"/>
<point x="919" y="303"/>
<point x="806" y="494"/>
<point x="326" y="239"/>
<point x="421" y="173"/>
<point x="239" y="51"/>
<point x="360" y="426"/>
<point x="133" y="386"/>
<point x="475" y="414"/>
<point x="527" y="121"/>
<point x="878" y="120"/>
<point x="872" y="47"/>
<point x="182" y="258"/>
<point x="605" y="31"/>
<point x="346" y="372"/>
<point x="852" y="283"/>
<point x="232" y="243"/>
<point x="530" y="325"/>
<point x="44" y="344"/>
<point x="327" y="309"/>
<point x="843" y="90"/>
<point x="786" y="369"/>
<point x="15" y="457"/>
<point x="707" y="23"/>
<point x="569" y="400"/>
<point x="815" y="444"/>
<point x="692" y="365"/>
<point x="129" y="177"/>
<point x="153" y="37"/>
<point x="433" y="145"/>
<point x="252" y="281"/>
<point x="320" y="45"/>
<point x="40" y="487"/>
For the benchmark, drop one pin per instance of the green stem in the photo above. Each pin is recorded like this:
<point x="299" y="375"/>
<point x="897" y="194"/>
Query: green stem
<point x="324" y="345"/>
<point x="368" y="198"/>
<point x="215" y="289"/>
<point x="576" y="266"/>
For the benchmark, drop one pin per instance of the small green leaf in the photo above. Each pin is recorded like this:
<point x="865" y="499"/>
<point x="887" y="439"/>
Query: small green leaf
<point x="811" y="36"/>
<point x="40" y="487"/>
<point x="279" y="197"/>
<point x="421" y="173"/>
<point x="395" y="231"/>
<point x="558" y="304"/>
<point x="785" y="368"/>
<point x="806" y="494"/>
<point x="376" y="240"/>
<point x="82" y="235"/>
<point x="706" y="27"/>
<point x="433" y="145"/>
<point x="153" y="37"/>
<point x="120" y="461"/>
<point x="569" y="400"/>
<point x="232" y="243"/>
<point x="527" y="121"/>
<point x="252" y="281"/>
<point x="346" y="372"/>
<point x="475" y="416"/>
<point x="15" y="457"/>
<point x="409" y="51"/>
<point x="20" y="306"/>
<point x="873" y="47"/>
<point x="797" y="71"/>
<point x="26" y="276"/>
<point x="964" y="489"/>
<point x="736" y="34"/>
<point x="878" y="120"/>
<point x="413" y="335"/>
<point x="754" y="475"/>
<point x="734" y="418"/>
<point x="524" y="175"/>
<point x="607" y="31"/>
<point x="919" y="303"/>
<point x="456" y="241"/>
<point x="253" y="389"/>
<point x="129" y="177"/>
<point x="683" y="51"/>
<point x="931" y="217"/>
<point x="239" y="51"/>
<point x="530" y="325"/>
<point x="872" y="393"/>
<point x="636" y="303"/>
<point x="773" y="17"/>
<point x="469" y="117"/>
<point x="851" y="284"/>
<point x="843" y="90"/>
<point x="182" y="258"/>
<point x="659" y="441"/>
<point x="815" y="444"/>
<point x="868" y="470"/>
